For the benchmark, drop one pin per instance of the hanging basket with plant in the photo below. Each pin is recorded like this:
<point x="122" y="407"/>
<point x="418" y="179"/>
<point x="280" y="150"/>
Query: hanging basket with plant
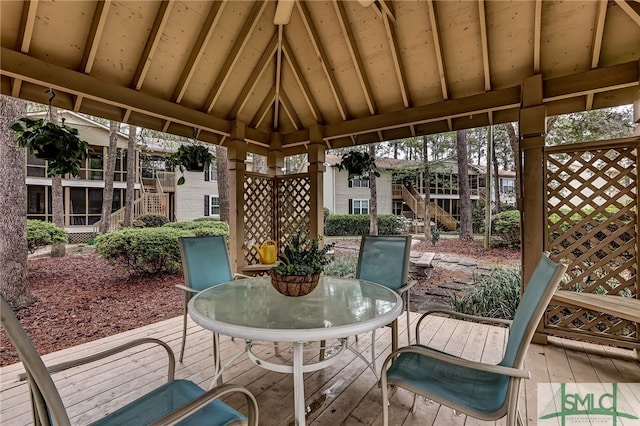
<point x="192" y="157"/>
<point x="58" y="144"/>
<point x="358" y="163"/>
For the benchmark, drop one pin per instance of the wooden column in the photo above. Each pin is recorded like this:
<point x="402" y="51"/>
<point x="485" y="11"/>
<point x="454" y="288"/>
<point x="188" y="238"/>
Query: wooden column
<point x="636" y="113"/>
<point x="275" y="158"/>
<point x="236" y="156"/>
<point x="532" y="125"/>
<point x="316" y="174"/>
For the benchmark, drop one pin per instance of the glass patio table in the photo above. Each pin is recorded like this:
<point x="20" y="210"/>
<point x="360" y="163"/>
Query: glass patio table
<point x="252" y="309"/>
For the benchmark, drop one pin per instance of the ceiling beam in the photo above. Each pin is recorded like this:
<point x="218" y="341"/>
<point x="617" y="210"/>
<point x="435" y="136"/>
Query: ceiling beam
<point x="438" y="48"/>
<point x="278" y="79"/>
<point x="395" y="55"/>
<point x="159" y="24"/>
<point x="387" y="7"/>
<point x="597" y="44"/>
<point x="93" y="41"/>
<point x="288" y="108"/>
<point x="355" y="55"/>
<point x="484" y="42"/>
<point x="25" y="31"/>
<point x="593" y="81"/>
<point x="258" y="71"/>
<point x="213" y="18"/>
<point x="537" y="34"/>
<point x="324" y="61"/>
<point x="234" y="54"/>
<point x="261" y="113"/>
<point x="304" y="86"/>
<point x="629" y="11"/>
<point x="36" y="71"/>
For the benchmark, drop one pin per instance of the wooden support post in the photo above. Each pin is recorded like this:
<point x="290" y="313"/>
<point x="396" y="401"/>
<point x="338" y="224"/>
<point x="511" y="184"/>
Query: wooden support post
<point x="316" y="173"/>
<point x="275" y="158"/>
<point x="236" y="154"/>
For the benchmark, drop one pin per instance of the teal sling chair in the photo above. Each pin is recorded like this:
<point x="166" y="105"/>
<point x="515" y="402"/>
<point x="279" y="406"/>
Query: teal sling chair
<point x="176" y="402"/>
<point x="205" y="263"/>
<point x="481" y="390"/>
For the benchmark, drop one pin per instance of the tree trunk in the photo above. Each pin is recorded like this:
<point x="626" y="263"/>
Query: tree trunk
<point x="223" y="182"/>
<point x="13" y="221"/>
<point x="466" y="228"/>
<point x="131" y="177"/>
<point x="427" y="187"/>
<point x="515" y="147"/>
<point x="373" y="201"/>
<point x="107" y="194"/>
<point x="496" y="179"/>
<point x="260" y="164"/>
<point x="57" y="200"/>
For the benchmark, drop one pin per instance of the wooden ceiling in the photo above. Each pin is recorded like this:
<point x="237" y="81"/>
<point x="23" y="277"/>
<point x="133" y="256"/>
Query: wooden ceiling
<point x="363" y="71"/>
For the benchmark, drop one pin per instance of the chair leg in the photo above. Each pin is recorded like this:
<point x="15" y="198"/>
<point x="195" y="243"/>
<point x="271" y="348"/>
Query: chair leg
<point x="408" y="322"/>
<point x="394" y="335"/>
<point x="184" y="334"/>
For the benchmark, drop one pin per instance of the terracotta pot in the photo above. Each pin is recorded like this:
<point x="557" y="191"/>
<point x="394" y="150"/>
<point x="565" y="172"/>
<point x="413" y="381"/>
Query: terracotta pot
<point x="294" y="285"/>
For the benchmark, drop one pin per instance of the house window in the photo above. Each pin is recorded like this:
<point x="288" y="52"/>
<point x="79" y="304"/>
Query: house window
<point x="212" y="205"/>
<point x="507" y="186"/>
<point x="39" y="202"/>
<point x="397" y="208"/>
<point x="36" y="167"/>
<point x="211" y="174"/>
<point x="358" y="182"/>
<point x="358" y="206"/>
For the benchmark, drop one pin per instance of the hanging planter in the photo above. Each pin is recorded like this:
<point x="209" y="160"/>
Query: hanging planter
<point x="358" y="163"/>
<point x="193" y="158"/>
<point x="59" y="145"/>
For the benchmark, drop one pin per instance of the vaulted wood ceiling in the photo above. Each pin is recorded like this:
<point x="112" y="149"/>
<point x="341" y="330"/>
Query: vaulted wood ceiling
<point x="365" y="71"/>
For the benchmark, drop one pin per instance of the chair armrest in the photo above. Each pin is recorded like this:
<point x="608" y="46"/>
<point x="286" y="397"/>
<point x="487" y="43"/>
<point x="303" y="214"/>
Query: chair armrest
<point x="187" y="289"/>
<point x="467" y="317"/>
<point x="212" y="394"/>
<point x="109" y="352"/>
<point x="238" y="275"/>
<point x="454" y="360"/>
<point x="406" y="287"/>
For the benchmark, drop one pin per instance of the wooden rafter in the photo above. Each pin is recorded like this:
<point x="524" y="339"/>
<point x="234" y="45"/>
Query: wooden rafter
<point x="438" y="48"/>
<point x="324" y="61"/>
<point x="395" y="55"/>
<point x="261" y="113"/>
<point x="27" y="22"/>
<point x="241" y="41"/>
<point x="537" y="35"/>
<point x="304" y="86"/>
<point x="485" y="45"/>
<point x="387" y="8"/>
<point x="257" y="73"/>
<point x="278" y="78"/>
<point x="355" y="55"/>
<point x="629" y="11"/>
<point x="93" y="40"/>
<point x="597" y="44"/>
<point x="288" y="108"/>
<point x="198" y="50"/>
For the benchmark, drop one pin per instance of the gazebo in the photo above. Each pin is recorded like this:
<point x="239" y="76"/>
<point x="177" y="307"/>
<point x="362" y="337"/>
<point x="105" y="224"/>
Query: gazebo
<point x="286" y="77"/>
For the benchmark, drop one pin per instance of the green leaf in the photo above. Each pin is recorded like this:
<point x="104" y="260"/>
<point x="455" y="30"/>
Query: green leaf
<point x="180" y="181"/>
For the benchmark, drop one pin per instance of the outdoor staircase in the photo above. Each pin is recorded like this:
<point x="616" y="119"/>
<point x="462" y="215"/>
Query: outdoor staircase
<point x="417" y="203"/>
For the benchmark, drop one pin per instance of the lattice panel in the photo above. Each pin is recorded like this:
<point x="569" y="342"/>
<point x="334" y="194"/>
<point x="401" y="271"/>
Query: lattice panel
<point x="591" y="219"/>
<point x="258" y="214"/>
<point x="293" y="206"/>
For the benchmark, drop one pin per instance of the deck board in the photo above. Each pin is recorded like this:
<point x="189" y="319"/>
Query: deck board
<point x="345" y="393"/>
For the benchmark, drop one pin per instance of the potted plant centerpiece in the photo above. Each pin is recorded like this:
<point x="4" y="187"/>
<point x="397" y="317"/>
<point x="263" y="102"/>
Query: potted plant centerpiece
<point x="192" y="157"/>
<point x="358" y="163"/>
<point x="300" y="265"/>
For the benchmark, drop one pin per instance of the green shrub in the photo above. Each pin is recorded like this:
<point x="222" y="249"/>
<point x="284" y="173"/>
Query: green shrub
<point x="477" y="217"/>
<point x="342" y="266"/>
<point x="506" y="228"/>
<point x="495" y="295"/>
<point x="202" y="227"/>
<point x="153" y="220"/>
<point x="40" y="234"/>
<point x="358" y="224"/>
<point x="142" y="250"/>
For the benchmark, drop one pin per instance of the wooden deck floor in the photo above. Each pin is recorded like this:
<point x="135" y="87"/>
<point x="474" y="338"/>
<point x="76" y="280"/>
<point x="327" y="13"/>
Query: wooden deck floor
<point x="343" y="394"/>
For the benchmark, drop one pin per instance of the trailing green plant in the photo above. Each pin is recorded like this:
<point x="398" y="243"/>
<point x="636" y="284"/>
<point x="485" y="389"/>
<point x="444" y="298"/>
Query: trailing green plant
<point x="59" y="145"/>
<point x="506" y="228"/>
<point x="435" y="235"/>
<point x="495" y="295"/>
<point x="359" y="224"/>
<point x="302" y="256"/>
<point x="40" y="234"/>
<point x="342" y="266"/>
<point x="153" y="220"/>
<point x="192" y="157"/>
<point x="142" y="250"/>
<point x="358" y="163"/>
